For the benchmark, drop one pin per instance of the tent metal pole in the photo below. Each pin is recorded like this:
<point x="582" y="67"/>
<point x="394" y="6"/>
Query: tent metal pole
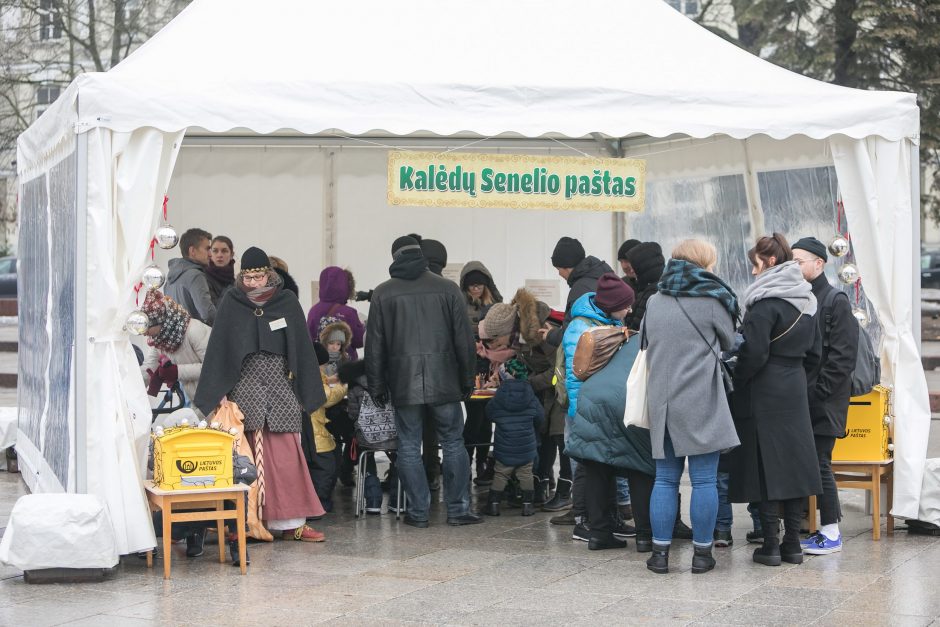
<point x="755" y="208"/>
<point x="915" y="240"/>
<point x="80" y="362"/>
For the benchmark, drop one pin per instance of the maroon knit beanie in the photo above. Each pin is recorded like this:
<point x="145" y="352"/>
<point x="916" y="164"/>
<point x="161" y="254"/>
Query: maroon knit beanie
<point x="613" y="294"/>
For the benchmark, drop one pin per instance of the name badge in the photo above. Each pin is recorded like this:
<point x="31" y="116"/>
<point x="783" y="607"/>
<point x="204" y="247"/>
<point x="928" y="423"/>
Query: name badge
<point x="280" y="323"/>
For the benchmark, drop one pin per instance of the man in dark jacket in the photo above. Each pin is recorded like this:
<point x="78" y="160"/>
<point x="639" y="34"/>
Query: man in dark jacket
<point x="580" y="271"/>
<point x="421" y="353"/>
<point x="186" y="281"/>
<point x="629" y="274"/>
<point x="830" y="385"/>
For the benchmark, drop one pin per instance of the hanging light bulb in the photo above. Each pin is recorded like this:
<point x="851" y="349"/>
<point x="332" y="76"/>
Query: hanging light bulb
<point x="137" y="322"/>
<point x="838" y="246"/>
<point x="848" y="273"/>
<point x="862" y="316"/>
<point x="153" y="277"/>
<point x="167" y="237"/>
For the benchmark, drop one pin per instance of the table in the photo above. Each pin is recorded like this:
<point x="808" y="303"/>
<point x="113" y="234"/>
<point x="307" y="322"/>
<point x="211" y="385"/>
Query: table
<point x="864" y="476"/>
<point x="177" y="506"/>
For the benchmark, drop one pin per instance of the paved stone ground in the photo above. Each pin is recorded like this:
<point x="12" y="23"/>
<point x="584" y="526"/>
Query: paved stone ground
<point x="509" y="571"/>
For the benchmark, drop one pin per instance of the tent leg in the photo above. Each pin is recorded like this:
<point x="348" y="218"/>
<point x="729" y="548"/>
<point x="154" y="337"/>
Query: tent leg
<point x="915" y="239"/>
<point x="80" y="357"/>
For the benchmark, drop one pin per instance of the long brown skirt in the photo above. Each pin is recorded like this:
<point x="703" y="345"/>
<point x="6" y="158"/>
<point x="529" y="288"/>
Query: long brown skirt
<point x="288" y="491"/>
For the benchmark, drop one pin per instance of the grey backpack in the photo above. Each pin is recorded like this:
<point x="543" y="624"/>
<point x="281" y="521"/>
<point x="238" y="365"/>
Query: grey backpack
<point x="867" y="373"/>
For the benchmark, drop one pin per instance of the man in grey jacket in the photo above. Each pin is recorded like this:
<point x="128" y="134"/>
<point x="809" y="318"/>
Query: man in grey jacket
<point x="186" y="281"/>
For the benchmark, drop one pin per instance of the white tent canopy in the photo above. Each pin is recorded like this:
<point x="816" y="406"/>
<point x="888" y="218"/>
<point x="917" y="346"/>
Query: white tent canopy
<point x="469" y="68"/>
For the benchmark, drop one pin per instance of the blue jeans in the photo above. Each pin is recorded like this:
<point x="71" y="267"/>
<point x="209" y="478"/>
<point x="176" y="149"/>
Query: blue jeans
<point x="703" y="471"/>
<point x="623" y="491"/>
<point x="448" y="420"/>
<point x="725" y="516"/>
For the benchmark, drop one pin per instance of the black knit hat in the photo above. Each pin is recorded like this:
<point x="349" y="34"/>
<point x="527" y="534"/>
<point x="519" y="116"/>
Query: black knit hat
<point x="475" y="277"/>
<point x="568" y="253"/>
<point x="626" y="247"/>
<point x="255" y="259"/>
<point x="403" y="242"/>
<point x="435" y="253"/>
<point x="647" y="261"/>
<point x="812" y="245"/>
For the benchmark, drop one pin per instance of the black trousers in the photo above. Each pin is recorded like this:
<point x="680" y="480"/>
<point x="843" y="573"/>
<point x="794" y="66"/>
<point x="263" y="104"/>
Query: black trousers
<point x="477" y="430"/>
<point x="830" y="512"/>
<point x="792" y="517"/>
<point x="322" y="468"/>
<point x="599" y="485"/>
<point x="641" y="489"/>
<point x="553" y="445"/>
<point x="578" y="504"/>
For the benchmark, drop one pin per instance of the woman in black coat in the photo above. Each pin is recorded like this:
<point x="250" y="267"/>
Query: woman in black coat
<point x="776" y="462"/>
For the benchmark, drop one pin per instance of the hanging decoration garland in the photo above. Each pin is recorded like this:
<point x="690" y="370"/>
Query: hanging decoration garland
<point x="840" y="246"/>
<point x="137" y="322"/>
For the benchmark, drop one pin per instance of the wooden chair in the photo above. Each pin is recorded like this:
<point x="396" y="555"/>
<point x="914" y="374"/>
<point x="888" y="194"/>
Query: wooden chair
<point x="864" y="476"/>
<point x="177" y="506"/>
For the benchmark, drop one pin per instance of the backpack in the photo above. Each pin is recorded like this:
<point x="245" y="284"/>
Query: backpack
<point x="867" y="373"/>
<point x="561" y="375"/>
<point x="595" y="348"/>
<point x="376" y="423"/>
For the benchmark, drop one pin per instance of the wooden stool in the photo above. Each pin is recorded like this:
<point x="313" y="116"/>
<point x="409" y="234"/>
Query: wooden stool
<point x="177" y="506"/>
<point x="863" y="476"/>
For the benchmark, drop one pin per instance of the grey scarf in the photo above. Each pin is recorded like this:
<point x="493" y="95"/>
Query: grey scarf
<point x="786" y="283"/>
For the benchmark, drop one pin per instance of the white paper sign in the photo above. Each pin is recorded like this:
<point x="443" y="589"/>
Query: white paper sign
<point x="546" y="290"/>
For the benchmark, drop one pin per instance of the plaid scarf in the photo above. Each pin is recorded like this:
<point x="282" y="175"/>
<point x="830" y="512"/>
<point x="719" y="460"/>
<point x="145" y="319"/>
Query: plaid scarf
<point x="683" y="278"/>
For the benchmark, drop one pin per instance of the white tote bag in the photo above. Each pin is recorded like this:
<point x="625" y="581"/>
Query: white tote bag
<point x="636" y="413"/>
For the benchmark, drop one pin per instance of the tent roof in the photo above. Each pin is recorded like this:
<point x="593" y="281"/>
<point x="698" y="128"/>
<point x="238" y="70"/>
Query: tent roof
<point x="532" y="67"/>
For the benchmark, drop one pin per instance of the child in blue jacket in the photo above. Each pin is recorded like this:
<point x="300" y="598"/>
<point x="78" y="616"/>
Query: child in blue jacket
<point x="517" y="414"/>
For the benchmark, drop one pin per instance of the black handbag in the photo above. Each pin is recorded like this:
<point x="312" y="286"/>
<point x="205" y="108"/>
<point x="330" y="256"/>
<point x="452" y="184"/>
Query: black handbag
<point x="726" y="377"/>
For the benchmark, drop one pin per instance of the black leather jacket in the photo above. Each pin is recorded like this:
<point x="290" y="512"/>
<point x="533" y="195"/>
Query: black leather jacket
<point x="419" y="344"/>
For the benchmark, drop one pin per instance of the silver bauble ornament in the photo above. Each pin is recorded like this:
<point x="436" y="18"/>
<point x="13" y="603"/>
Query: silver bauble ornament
<point x="848" y="273"/>
<point x="167" y="237"/>
<point x="137" y="322"/>
<point x="153" y="277"/>
<point x="862" y="316"/>
<point x="838" y="246"/>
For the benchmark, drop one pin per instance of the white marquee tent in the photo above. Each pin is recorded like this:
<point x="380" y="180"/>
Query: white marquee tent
<point x="95" y="167"/>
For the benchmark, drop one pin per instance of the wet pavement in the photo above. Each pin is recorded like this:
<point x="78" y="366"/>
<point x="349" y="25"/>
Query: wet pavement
<point x="508" y="571"/>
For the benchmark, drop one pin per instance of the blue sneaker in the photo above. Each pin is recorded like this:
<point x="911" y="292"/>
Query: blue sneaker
<point x="818" y="544"/>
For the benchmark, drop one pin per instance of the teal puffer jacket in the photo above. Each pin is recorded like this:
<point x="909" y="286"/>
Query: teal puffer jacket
<point x="597" y="433"/>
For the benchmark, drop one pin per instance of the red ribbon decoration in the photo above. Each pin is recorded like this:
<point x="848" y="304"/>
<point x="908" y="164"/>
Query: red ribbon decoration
<point x="166" y="199"/>
<point x="153" y="243"/>
<point x="137" y="289"/>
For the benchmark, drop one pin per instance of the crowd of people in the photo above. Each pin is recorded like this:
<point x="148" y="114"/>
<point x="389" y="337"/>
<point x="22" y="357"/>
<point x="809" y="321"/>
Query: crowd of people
<point x="748" y="392"/>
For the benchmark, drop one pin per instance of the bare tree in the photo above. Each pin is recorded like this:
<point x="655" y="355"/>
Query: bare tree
<point x="45" y="44"/>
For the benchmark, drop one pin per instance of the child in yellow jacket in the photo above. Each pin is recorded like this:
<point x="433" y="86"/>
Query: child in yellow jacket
<point x="322" y="463"/>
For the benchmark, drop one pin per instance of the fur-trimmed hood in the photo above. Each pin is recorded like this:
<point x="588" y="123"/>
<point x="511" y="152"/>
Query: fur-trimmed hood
<point x="532" y="315"/>
<point x="339" y="325"/>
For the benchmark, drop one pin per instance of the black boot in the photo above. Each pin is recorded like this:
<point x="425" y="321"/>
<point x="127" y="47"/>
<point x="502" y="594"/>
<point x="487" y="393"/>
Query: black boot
<point x="194" y="542"/>
<point x="13" y="464"/>
<point x="541" y="492"/>
<point x="702" y="560"/>
<point x="644" y="542"/>
<point x="528" y="509"/>
<point x="791" y="551"/>
<point x="769" y="553"/>
<point x="233" y="551"/>
<point x="659" y="560"/>
<point x="492" y="503"/>
<point x="562" y="499"/>
<point x="486" y="478"/>
<point x="601" y="540"/>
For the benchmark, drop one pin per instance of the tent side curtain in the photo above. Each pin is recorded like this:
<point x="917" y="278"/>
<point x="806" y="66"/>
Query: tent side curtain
<point x="874" y="177"/>
<point x="128" y="174"/>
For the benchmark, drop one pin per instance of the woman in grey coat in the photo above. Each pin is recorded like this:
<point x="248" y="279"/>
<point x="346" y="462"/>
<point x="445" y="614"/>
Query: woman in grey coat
<point x="688" y="322"/>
